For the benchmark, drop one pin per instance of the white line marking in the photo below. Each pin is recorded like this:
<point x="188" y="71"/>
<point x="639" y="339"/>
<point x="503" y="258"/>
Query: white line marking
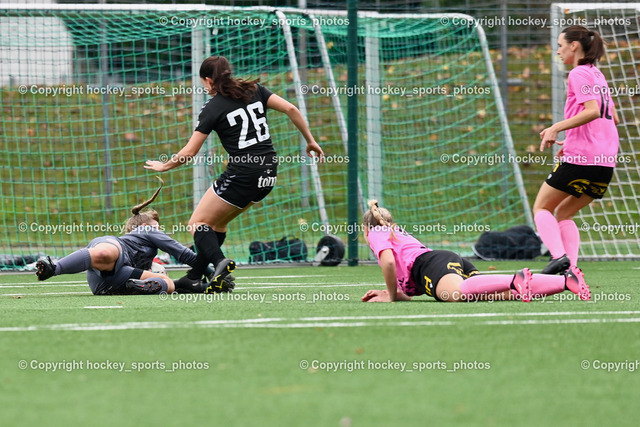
<point x="52" y="283"/>
<point x="84" y="282"/>
<point x="38" y="285"/>
<point x="283" y="277"/>
<point x="103" y="306"/>
<point x="238" y="282"/>
<point x="243" y="283"/>
<point x="302" y="286"/>
<point x="471" y="315"/>
<point x="46" y="293"/>
<point x="333" y="322"/>
<point x="247" y="289"/>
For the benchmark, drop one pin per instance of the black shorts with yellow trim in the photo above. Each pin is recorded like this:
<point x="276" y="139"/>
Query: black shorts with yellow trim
<point x="577" y="180"/>
<point x="431" y="266"/>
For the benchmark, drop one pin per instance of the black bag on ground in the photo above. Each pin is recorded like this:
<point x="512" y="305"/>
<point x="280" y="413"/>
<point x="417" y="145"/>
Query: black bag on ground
<point x="10" y="261"/>
<point x="334" y="251"/>
<point x="278" y="250"/>
<point x="519" y="242"/>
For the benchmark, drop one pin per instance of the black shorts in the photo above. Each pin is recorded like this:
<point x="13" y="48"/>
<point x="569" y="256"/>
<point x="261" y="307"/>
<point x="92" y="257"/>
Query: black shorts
<point x="430" y="267"/>
<point x="242" y="188"/>
<point x="580" y="179"/>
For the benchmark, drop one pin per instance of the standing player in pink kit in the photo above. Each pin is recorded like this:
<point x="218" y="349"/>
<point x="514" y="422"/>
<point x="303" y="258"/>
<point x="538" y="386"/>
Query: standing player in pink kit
<point x="589" y="150"/>
<point x="411" y="269"/>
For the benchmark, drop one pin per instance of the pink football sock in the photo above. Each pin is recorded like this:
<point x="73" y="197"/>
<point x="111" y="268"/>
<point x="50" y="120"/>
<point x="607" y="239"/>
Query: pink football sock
<point x="571" y="239"/>
<point x="486" y="284"/>
<point x="546" y="284"/>
<point x="549" y="232"/>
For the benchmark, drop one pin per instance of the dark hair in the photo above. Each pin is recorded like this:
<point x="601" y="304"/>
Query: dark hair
<point x="217" y="68"/>
<point x="145" y="217"/>
<point x="591" y="43"/>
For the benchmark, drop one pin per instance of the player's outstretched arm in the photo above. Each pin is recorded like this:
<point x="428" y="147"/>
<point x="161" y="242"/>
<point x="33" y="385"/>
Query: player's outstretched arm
<point x="188" y="152"/>
<point x="381" y="295"/>
<point x="278" y="103"/>
<point x="388" y="265"/>
<point x="166" y="243"/>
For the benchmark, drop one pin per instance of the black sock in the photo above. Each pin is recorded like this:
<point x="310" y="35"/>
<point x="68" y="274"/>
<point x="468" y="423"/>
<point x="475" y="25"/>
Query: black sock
<point x="208" y="250"/>
<point x="221" y="236"/>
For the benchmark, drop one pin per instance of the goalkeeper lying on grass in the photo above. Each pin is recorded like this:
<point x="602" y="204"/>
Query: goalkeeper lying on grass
<point x="411" y="269"/>
<point x="119" y="265"/>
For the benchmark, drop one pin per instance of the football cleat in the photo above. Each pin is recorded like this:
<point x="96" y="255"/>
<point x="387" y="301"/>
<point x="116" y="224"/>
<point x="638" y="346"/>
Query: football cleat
<point x="557" y="265"/>
<point x="575" y="283"/>
<point x="229" y="278"/>
<point x="223" y="286"/>
<point x="222" y="271"/>
<point x="147" y="286"/>
<point x="521" y="282"/>
<point x="45" y="269"/>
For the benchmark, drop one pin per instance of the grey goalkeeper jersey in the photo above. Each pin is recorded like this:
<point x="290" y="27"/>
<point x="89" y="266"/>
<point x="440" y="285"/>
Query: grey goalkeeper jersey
<point x="140" y="246"/>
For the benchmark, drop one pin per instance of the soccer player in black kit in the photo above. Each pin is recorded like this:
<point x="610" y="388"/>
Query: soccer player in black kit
<point x="237" y="111"/>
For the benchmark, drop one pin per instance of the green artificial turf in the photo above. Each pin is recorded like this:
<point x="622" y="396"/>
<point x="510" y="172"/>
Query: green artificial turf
<point x="283" y="359"/>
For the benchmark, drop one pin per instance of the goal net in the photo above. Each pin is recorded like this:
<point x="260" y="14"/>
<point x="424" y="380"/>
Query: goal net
<point x="89" y="93"/>
<point x="609" y="228"/>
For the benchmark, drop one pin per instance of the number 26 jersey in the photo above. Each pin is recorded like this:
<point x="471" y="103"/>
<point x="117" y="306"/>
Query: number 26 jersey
<point x="242" y="129"/>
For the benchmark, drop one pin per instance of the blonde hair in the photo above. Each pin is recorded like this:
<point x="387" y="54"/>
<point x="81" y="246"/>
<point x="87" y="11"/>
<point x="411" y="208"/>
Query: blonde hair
<point x="140" y="218"/>
<point x="376" y="216"/>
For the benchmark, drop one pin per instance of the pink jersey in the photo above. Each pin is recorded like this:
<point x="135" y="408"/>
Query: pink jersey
<point x="406" y="249"/>
<point x="596" y="142"/>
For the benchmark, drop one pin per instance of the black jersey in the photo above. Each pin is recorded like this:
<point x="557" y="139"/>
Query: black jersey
<point x="242" y="129"/>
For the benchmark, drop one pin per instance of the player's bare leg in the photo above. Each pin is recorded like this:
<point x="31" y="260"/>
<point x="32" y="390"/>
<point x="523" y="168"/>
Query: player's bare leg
<point x="208" y="224"/>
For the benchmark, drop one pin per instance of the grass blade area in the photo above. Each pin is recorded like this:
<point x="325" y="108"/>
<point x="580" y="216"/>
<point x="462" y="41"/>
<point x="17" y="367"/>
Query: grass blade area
<point x="295" y="346"/>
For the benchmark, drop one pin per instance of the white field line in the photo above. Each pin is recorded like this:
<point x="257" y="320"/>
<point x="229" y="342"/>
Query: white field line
<point x="40" y="285"/>
<point x="46" y="293"/>
<point x="300" y="276"/>
<point x="311" y="285"/>
<point x="52" y="283"/>
<point x="249" y="289"/>
<point x="240" y="280"/>
<point x="429" y="323"/>
<point x="356" y="321"/>
<point x="239" y="283"/>
<point x="84" y="282"/>
<point x="470" y="315"/>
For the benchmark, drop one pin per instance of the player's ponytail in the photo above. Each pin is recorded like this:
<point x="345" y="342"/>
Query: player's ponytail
<point x="591" y="42"/>
<point x="378" y="217"/>
<point x="218" y="69"/>
<point x="145" y="217"/>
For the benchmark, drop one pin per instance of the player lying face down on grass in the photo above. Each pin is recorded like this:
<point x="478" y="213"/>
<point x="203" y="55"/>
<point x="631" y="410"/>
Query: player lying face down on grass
<point x="237" y="112"/>
<point x="119" y="265"/>
<point x="588" y="153"/>
<point x="411" y="269"/>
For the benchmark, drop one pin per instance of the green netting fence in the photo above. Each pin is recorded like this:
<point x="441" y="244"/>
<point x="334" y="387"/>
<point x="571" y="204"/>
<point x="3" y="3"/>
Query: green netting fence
<point x="89" y="93"/>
